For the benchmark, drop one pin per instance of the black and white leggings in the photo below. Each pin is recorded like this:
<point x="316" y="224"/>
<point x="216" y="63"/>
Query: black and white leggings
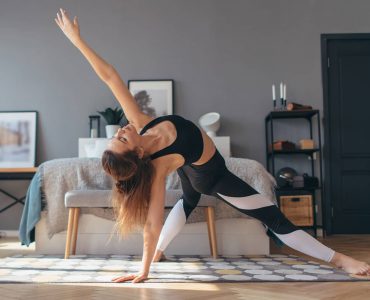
<point x="213" y="178"/>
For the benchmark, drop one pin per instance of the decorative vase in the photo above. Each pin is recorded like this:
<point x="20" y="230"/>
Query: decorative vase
<point x="110" y="130"/>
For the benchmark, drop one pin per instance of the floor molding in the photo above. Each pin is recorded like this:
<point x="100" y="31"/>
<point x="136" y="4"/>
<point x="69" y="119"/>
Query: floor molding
<point x="8" y="233"/>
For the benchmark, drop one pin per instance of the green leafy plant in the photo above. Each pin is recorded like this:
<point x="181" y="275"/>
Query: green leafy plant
<point x="112" y="116"/>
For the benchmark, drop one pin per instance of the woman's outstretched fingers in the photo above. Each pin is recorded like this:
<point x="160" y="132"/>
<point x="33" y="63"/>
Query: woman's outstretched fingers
<point x="60" y="21"/>
<point x="135" y="278"/>
<point x="63" y="12"/>
<point x="69" y="28"/>
<point x="124" y="278"/>
<point x="64" y="16"/>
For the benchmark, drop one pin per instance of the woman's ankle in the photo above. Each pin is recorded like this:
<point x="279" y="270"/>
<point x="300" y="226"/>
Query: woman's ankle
<point x="337" y="259"/>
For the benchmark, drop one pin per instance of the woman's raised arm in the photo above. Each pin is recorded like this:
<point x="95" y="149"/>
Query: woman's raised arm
<point x="104" y="70"/>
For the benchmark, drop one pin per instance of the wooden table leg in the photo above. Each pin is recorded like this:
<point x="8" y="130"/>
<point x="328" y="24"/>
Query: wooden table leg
<point x="69" y="232"/>
<point x="212" y="230"/>
<point x="76" y="216"/>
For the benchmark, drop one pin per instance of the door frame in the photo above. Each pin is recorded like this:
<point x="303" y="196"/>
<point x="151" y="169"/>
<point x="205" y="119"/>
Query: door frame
<point x="327" y="185"/>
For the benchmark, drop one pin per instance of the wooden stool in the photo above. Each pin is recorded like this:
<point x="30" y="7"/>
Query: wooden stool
<point x="76" y="199"/>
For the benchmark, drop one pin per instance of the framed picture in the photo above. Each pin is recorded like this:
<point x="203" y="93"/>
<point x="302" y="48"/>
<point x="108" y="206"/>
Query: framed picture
<point x="155" y="97"/>
<point x="18" y="131"/>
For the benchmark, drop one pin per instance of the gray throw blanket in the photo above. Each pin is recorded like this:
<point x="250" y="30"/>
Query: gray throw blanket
<point x="62" y="175"/>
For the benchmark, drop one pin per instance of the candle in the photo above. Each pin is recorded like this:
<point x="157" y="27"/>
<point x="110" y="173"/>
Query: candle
<point x="281" y="90"/>
<point x="285" y="91"/>
<point x="93" y="133"/>
<point x="273" y="92"/>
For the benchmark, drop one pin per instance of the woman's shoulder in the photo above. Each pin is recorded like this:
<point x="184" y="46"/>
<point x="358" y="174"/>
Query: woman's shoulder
<point x="141" y="121"/>
<point x="150" y="122"/>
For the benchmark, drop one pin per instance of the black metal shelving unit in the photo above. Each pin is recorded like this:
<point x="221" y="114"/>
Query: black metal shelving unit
<point x="271" y="155"/>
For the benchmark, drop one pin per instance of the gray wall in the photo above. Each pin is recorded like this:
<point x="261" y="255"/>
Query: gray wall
<point x="223" y="55"/>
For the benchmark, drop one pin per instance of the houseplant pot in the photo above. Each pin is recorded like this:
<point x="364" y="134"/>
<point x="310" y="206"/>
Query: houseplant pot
<point x="110" y="130"/>
<point x="113" y="118"/>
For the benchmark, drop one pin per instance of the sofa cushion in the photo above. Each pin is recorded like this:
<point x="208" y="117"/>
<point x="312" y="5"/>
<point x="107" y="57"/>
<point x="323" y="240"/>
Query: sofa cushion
<point x="88" y="198"/>
<point x="102" y="198"/>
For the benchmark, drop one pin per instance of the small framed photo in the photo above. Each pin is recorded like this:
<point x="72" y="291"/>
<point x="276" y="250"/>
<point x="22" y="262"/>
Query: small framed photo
<point x="155" y="97"/>
<point x="18" y="132"/>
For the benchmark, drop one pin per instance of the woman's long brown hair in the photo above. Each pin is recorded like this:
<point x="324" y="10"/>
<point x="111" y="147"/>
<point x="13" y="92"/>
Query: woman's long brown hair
<point x="131" y="193"/>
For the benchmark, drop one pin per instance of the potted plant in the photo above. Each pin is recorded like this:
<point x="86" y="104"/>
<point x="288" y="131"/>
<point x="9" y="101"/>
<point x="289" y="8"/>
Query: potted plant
<point x="113" y="118"/>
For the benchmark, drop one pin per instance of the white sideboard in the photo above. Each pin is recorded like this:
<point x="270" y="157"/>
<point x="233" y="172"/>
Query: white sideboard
<point x="91" y="147"/>
<point x="94" y="147"/>
<point x="222" y="144"/>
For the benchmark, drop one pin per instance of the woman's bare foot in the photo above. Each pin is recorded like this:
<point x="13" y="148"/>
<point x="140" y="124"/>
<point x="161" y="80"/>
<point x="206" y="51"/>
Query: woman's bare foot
<point x="350" y="265"/>
<point x="159" y="256"/>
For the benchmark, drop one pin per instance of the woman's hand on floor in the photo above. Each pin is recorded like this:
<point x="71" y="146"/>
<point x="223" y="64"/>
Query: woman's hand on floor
<point x="136" y="278"/>
<point x="69" y="28"/>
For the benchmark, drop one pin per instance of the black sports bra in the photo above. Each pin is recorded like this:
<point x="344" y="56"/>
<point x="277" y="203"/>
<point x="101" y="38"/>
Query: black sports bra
<point x="189" y="140"/>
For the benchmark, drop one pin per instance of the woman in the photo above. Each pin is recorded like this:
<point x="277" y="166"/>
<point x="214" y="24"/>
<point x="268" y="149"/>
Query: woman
<point x="143" y="153"/>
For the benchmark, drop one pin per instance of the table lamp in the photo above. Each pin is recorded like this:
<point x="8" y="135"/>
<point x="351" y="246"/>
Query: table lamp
<point x="210" y="122"/>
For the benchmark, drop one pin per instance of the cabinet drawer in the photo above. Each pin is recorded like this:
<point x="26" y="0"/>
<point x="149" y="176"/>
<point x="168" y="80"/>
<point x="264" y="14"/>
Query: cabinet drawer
<point x="298" y="209"/>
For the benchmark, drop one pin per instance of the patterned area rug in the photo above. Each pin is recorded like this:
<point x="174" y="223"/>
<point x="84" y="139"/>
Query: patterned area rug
<point x="92" y="268"/>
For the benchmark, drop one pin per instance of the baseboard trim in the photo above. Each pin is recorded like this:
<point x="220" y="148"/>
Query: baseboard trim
<point x="8" y="233"/>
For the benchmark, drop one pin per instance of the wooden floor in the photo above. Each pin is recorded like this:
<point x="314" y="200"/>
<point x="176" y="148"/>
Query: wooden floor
<point x="354" y="245"/>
